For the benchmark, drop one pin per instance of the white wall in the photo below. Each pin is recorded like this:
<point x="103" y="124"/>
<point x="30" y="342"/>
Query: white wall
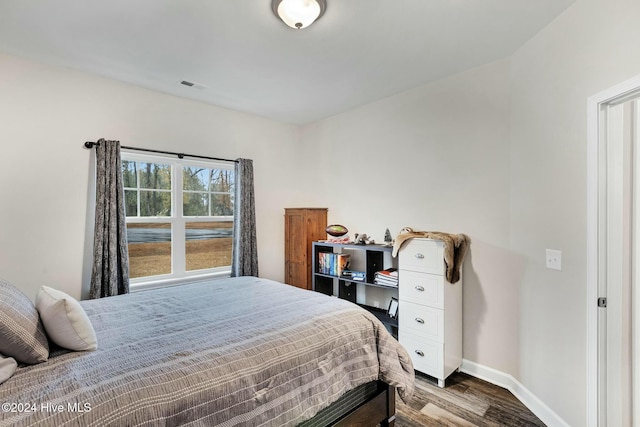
<point x="592" y="46"/>
<point x="434" y="158"/>
<point x="452" y="155"/>
<point x="47" y="114"/>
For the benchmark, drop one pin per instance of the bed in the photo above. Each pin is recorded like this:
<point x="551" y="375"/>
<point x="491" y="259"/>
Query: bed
<point x="238" y="351"/>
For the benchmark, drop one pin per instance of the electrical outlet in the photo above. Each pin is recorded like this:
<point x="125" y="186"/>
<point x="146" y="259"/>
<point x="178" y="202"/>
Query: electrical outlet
<point x="554" y="259"/>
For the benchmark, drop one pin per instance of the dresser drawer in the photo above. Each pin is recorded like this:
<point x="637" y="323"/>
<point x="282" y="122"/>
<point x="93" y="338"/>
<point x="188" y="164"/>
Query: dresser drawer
<point x="421" y="288"/>
<point x="427" y="356"/>
<point x="425" y="322"/>
<point x="423" y="255"/>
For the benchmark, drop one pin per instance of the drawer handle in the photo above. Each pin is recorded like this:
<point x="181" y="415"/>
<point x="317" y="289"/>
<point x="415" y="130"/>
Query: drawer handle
<point x="420" y="288"/>
<point x="419" y="320"/>
<point x="420" y="353"/>
<point x="419" y="256"/>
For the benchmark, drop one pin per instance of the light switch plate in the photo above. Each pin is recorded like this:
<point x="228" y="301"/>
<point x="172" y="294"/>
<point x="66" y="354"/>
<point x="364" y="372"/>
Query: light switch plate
<point x="554" y="259"/>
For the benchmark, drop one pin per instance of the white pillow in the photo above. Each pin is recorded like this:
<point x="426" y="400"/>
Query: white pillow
<point x="65" y="321"/>
<point x="8" y="366"/>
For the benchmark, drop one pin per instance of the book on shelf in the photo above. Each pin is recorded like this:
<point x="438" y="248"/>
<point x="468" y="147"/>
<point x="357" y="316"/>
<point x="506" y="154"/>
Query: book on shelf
<point x="342" y="263"/>
<point x="388" y="277"/>
<point x="332" y="264"/>
<point x="389" y="272"/>
<point x="385" y="283"/>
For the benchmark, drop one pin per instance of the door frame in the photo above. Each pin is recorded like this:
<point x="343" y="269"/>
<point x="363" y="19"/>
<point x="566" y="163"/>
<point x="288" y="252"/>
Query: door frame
<point x="596" y="200"/>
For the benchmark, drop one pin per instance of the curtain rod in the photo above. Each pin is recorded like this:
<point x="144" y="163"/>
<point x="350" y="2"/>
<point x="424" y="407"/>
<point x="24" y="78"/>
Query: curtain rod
<point x="91" y="144"/>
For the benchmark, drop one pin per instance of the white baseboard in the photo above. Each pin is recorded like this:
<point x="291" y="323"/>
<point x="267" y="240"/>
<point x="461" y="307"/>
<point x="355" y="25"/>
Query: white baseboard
<point x="535" y="405"/>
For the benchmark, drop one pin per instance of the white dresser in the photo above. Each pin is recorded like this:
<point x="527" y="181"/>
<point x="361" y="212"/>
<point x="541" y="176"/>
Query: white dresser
<point x="430" y="309"/>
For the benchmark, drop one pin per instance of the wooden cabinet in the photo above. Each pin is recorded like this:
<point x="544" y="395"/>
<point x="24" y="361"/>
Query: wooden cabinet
<point x="430" y="324"/>
<point x="301" y="227"/>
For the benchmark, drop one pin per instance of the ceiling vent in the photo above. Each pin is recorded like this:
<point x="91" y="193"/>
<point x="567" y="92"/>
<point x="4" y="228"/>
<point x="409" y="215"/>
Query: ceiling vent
<point x="193" y="85"/>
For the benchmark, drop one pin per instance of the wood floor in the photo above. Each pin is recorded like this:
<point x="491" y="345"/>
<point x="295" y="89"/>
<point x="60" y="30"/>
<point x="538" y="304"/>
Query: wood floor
<point x="465" y="401"/>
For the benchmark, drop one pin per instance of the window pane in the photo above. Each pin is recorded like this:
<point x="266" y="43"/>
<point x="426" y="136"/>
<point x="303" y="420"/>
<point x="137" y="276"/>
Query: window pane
<point x="155" y="176"/>
<point x="221" y="180"/>
<point x="131" y="202"/>
<point x="207" y="190"/>
<point x="221" y="205"/>
<point x="155" y="203"/>
<point x="195" y="204"/>
<point x="208" y="244"/>
<point x="129" y="175"/>
<point x="195" y="178"/>
<point x="149" y="249"/>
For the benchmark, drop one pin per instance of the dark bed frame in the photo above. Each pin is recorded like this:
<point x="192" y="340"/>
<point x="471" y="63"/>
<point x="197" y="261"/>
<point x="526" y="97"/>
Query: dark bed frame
<point x="368" y="405"/>
<point x="380" y="409"/>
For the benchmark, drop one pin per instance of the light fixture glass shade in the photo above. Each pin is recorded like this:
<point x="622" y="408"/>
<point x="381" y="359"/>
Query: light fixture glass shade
<point x="298" y="13"/>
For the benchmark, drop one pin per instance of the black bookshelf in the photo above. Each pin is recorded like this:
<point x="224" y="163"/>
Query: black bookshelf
<point x="373" y="258"/>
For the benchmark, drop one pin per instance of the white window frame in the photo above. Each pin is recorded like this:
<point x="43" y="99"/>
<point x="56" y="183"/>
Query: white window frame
<point x="179" y="274"/>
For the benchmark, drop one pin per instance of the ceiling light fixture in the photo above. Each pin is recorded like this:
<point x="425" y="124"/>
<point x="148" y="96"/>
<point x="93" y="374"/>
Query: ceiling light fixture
<point x="298" y="14"/>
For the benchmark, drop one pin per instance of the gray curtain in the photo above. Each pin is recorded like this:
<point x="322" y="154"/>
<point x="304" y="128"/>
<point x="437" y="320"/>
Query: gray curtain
<point x="244" y="258"/>
<point x="110" y="273"/>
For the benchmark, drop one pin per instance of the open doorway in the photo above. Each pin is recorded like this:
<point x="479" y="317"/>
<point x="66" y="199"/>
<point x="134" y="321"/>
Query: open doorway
<point x="613" y="300"/>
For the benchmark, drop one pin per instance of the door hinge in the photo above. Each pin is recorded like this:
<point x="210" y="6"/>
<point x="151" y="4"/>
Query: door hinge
<point x="602" y="302"/>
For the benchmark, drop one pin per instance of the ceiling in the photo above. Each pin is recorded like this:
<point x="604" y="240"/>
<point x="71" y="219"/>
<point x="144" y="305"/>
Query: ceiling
<point x="242" y="57"/>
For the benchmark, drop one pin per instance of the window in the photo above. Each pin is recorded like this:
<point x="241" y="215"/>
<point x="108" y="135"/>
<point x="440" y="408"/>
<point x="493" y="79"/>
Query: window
<point x="179" y="216"/>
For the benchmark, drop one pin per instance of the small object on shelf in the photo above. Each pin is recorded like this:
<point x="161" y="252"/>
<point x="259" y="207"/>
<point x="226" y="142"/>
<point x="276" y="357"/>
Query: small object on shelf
<point x="388" y="241"/>
<point x="342" y="239"/>
<point x="392" y="311"/>
<point x="363" y="239"/>
<point x="336" y="230"/>
<point x="354" y="275"/>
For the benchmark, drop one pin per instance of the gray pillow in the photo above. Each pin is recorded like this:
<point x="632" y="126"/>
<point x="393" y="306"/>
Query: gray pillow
<point x="8" y="366"/>
<point x="21" y="332"/>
